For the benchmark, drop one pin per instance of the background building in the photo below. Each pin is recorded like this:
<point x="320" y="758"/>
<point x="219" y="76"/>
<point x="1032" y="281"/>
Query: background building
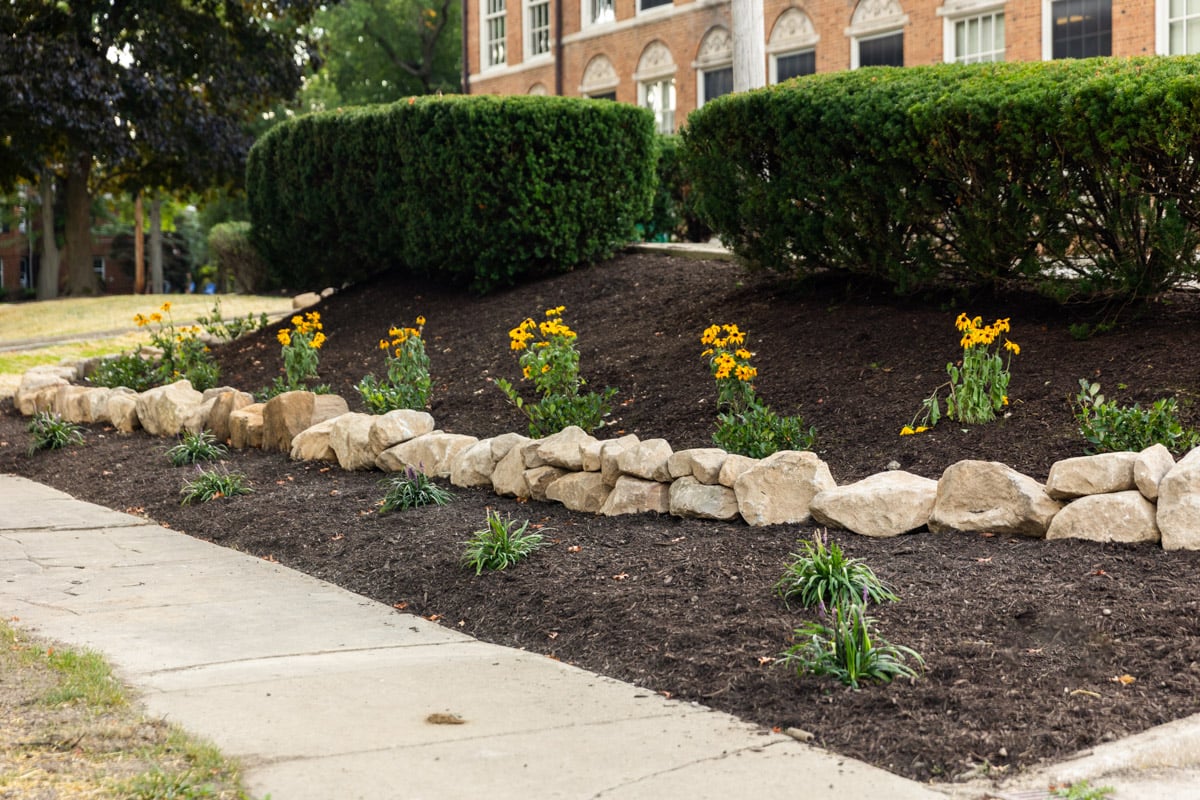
<point x="673" y="56"/>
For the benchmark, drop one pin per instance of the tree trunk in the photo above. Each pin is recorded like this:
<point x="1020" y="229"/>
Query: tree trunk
<point x="81" y="278"/>
<point x="139" y="248"/>
<point x="47" y="279"/>
<point x="156" y="246"/>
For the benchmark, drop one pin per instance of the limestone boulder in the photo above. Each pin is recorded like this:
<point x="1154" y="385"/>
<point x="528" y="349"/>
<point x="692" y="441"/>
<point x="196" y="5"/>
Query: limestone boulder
<point x="227" y="401"/>
<point x="1179" y="504"/>
<point x="502" y="444"/>
<point x="473" y="465"/>
<point x="647" y="460"/>
<point x="97" y="404"/>
<point x="508" y="478"/>
<point x="690" y="498"/>
<point x="432" y="453"/>
<point x="732" y="468"/>
<point x="164" y="409"/>
<point x="702" y="463"/>
<point x="38" y="384"/>
<point x="285" y="415"/>
<point x="121" y="409"/>
<point x="398" y="426"/>
<point x="610" y="457"/>
<point x="350" y="439"/>
<point x="589" y="456"/>
<point x="312" y="444"/>
<point x="305" y="300"/>
<point x="539" y="479"/>
<point x="71" y="403"/>
<point x="246" y="426"/>
<point x="1151" y="467"/>
<point x="580" y="491"/>
<point x="1118" y="517"/>
<point x="637" y="496"/>
<point x="1098" y="474"/>
<point x="565" y="448"/>
<point x="989" y="496"/>
<point x="198" y="417"/>
<point x="882" y="505"/>
<point x="779" y="488"/>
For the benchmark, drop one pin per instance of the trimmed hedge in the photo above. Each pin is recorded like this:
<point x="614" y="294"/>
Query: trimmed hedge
<point x="1076" y="176"/>
<point x="481" y="190"/>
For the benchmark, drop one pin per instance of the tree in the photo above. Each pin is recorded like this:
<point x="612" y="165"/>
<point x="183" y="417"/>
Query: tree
<point x="138" y="93"/>
<point x="379" y="51"/>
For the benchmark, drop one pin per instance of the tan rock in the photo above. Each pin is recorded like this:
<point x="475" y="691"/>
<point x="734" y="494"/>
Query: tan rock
<point x="473" y="466"/>
<point x="565" y="448"/>
<point x="285" y="415"/>
<point x="197" y="418"/>
<point x="432" y="453"/>
<point x="398" y="426"/>
<point x="579" y="491"/>
<point x="690" y="498"/>
<point x="884" y="504"/>
<point x="539" y="479"/>
<point x="1179" y="504"/>
<point x="1098" y="474"/>
<point x="305" y="300"/>
<point x="121" y="409"/>
<point x="733" y="467"/>
<point x="227" y="401"/>
<point x="702" y="463"/>
<point x="505" y="442"/>
<point x="33" y="384"/>
<point x="508" y="478"/>
<point x="646" y="460"/>
<point x="71" y="403"/>
<point x="350" y="440"/>
<point x="1151" y="467"/>
<point x="779" y="488"/>
<point x="610" y="457"/>
<point x="246" y="426"/>
<point x="637" y="496"/>
<point x="1116" y="517"/>
<point x="164" y="409"/>
<point x="989" y="496"/>
<point x="312" y="444"/>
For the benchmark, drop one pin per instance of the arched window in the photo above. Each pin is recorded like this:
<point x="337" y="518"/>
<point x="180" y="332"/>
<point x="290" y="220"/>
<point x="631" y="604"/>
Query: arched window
<point x="600" y="79"/>
<point x="655" y="77"/>
<point x="714" y="65"/>
<point x="793" y="46"/>
<point x="877" y="34"/>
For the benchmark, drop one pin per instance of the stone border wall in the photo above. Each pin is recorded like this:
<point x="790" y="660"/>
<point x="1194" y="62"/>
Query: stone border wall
<point x="1112" y="497"/>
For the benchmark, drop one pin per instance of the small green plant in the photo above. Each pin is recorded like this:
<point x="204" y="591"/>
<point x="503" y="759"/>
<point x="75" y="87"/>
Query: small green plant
<point x="1082" y="331"/>
<point x="1081" y="791"/>
<point x="746" y="425"/>
<point x="228" y="330"/>
<point x="127" y="369"/>
<point x="407" y="384"/>
<point x="1108" y="427"/>
<point x="301" y="351"/>
<point x="978" y="384"/>
<point x="212" y="484"/>
<point x="52" y="432"/>
<point x="842" y="644"/>
<point x="183" y="355"/>
<point x="196" y="447"/>
<point x="500" y="544"/>
<point x="412" y="489"/>
<point x="551" y="362"/>
<point x="821" y="573"/>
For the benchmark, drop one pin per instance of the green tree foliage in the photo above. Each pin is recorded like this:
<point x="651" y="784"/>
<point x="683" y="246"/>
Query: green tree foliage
<point x="143" y="93"/>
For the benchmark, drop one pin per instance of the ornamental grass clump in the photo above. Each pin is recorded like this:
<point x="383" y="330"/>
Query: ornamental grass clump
<point x="550" y="361"/>
<point x="978" y="385"/>
<point x="196" y="447"/>
<point x="212" y="484"/>
<point x="412" y="489"/>
<point x="301" y="350"/>
<point x="52" y="432"/>
<point x="821" y="573"/>
<point x="746" y="425"/>
<point x="407" y="384"/>
<point x="500" y="544"/>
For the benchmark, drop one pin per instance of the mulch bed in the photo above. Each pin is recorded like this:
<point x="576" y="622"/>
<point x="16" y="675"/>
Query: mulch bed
<point x="1024" y="640"/>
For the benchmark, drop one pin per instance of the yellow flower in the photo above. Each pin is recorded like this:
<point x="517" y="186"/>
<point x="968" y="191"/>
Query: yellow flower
<point x="555" y="312"/>
<point x="746" y="373"/>
<point x="165" y="306"/>
<point x="962" y="323"/>
<point x="285" y="337"/>
<point x="1012" y="347"/>
<point x="317" y="341"/>
<point x="298" y="321"/>
<point x="710" y="334"/>
<point x="420" y="322"/>
<point x="545" y="368"/>
<point x="921" y="429"/>
<point x="313" y="316"/>
<point x="140" y="320"/>
<point x="156" y="317"/>
<point x="907" y="431"/>
<point x="1004" y="400"/>
<point x="527" y="372"/>
<point x="744" y="354"/>
<point x="399" y="353"/>
<point x="383" y="344"/>
<point x="707" y="352"/>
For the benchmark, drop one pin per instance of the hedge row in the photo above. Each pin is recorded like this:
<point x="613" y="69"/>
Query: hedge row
<point x="1078" y="176"/>
<point x="480" y="190"/>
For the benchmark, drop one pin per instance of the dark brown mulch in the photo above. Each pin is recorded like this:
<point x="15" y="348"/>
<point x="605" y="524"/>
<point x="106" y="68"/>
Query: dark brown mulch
<point x="1023" y="639"/>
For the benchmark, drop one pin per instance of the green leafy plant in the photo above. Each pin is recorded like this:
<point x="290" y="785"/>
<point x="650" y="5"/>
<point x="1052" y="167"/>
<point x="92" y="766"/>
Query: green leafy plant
<point x="1081" y="791"/>
<point x="127" y="369"/>
<point x="301" y="351"/>
<point x="52" y="432"/>
<point x="407" y="384"/>
<point x="500" y="544"/>
<point x="195" y="447"/>
<point x="1108" y="427"/>
<point x="842" y="644"/>
<point x="821" y="573"/>
<point x="228" y="330"/>
<point x="182" y="354"/>
<point x="746" y="425"/>
<point x="551" y="362"/>
<point x="213" y="484"/>
<point x="978" y="384"/>
<point x="412" y="489"/>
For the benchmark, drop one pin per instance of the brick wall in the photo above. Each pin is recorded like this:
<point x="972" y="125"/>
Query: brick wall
<point x="681" y="28"/>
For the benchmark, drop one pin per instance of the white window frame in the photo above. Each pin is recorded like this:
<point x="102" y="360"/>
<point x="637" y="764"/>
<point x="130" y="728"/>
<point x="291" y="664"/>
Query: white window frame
<point x="1048" y="29"/>
<point x="101" y="269"/>
<point x="1162" y="27"/>
<point x="664" y="119"/>
<point x="716" y="53"/>
<point x="792" y="35"/>
<point x="656" y="66"/>
<point x="487" y="44"/>
<point x="597" y="12"/>
<point x="954" y="12"/>
<point x="533" y="34"/>
<point x="874" y="19"/>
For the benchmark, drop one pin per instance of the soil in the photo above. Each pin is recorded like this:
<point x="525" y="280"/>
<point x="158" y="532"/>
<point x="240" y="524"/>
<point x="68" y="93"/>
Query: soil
<point x="1025" y="642"/>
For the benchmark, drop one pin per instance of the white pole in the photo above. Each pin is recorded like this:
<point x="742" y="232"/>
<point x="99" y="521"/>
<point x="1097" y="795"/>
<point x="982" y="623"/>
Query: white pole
<point x="749" y="45"/>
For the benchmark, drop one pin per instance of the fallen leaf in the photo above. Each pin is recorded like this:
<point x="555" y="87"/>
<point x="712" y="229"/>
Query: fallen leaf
<point x="552" y="634"/>
<point x="445" y="719"/>
<point x="764" y="660"/>
<point x="337" y="538"/>
<point x="400" y="606"/>
<point x="1124" y="680"/>
<point x="620" y="576"/>
<point x="271" y="559"/>
<point x="987" y="560"/>
<point x="434" y="617"/>
<point x="574" y="548"/>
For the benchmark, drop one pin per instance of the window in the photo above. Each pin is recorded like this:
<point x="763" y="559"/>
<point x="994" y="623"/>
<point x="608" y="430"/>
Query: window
<point x="646" y="5"/>
<point x="655" y="78"/>
<point x="882" y="51"/>
<point x="659" y="97"/>
<point x="537" y="27"/>
<point x="714" y="65"/>
<point x="1183" y="27"/>
<point x="596" y="12"/>
<point x="494" y="51"/>
<point x="977" y="38"/>
<point x="26" y="273"/>
<point x="604" y="96"/>
<point x="599" y="78"/>
<point x="792" y="46"/>
<point x="98" y="266"/>
<point x="1080" y="28"/>
<point x="877" y="34"/>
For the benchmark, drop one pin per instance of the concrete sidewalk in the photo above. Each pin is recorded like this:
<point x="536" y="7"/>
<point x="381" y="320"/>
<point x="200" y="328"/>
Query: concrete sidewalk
<point x="324" y="694"/>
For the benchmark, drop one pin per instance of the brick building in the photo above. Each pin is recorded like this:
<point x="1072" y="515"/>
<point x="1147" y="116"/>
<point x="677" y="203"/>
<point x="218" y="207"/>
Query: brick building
<point x="672" y="56"/>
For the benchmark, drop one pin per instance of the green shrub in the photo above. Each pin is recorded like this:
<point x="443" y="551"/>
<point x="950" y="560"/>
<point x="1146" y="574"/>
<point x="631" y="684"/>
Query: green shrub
<point x="228" y="330"/>
<point x="758" y="432"/>
<point x="500" y="544"/>
<point x="482" y="191"/>
<point x="1108" y="427"/>
<point x="821" y="573"/>
<point x="232" y="251"/>
<point x="127" y="369"/>
<point x="673" y="213"/>
<point x="52" y="432"/>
